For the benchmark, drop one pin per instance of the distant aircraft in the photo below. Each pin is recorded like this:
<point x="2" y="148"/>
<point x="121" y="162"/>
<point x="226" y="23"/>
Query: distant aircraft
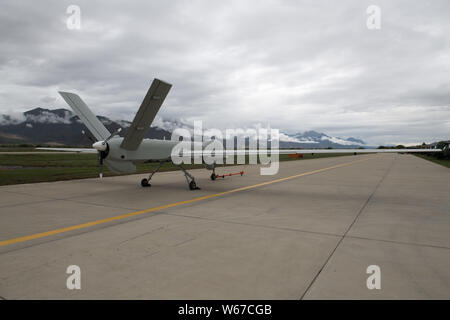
<point x="121" y="154"/>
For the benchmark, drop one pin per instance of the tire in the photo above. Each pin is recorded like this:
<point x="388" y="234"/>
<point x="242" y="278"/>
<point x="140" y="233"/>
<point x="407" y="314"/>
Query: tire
<point x="213" y="176"/>
<point x="192" y="185"/>
<point x="144" y="183"/>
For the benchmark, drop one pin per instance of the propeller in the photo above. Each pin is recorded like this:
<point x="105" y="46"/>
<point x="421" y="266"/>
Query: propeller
<point x="113" y="134"/>
<point x="88" y="136"/>
<point x="101" y="147"/>
<point x="99" y="153"/>
<point x="100" y="164"/>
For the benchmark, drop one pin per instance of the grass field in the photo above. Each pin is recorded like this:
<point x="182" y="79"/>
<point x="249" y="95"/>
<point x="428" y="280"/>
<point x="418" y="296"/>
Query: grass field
<point x="442" y="162"/>
<point x="29" y="167"/>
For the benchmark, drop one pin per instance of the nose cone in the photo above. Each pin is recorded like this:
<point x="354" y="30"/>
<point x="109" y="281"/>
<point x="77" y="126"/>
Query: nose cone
<point x="99" y="145"/>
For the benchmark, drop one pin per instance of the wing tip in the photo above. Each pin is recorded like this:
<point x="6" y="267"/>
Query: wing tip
<point x="67" y="94"/>
<point x="165" y="82"/>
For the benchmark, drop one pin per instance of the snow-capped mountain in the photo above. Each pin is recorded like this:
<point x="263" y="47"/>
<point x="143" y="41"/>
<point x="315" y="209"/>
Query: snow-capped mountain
<point x="58" y="127"/>
<point x="61" y="126"/>
<point x="313" y="139"/>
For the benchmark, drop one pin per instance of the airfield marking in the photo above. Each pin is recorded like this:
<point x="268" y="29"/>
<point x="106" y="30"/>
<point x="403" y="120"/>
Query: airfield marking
<point x="170" y="205"/>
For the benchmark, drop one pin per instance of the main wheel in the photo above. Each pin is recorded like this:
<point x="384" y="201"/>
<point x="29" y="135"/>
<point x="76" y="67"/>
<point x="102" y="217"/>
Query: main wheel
<point x="213" y="176"/>
<point x="192" y="185"/>
<point x="144" y="183"/>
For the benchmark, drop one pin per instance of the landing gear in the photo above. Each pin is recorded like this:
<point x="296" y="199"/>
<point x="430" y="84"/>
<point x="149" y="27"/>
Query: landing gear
<point x="213" y="174"/>
<point x="193" y="185"/>
<point x="146" y="182"/>
<point x="189" y="178"/>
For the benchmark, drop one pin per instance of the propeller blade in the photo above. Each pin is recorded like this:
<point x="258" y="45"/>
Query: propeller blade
<point x="113" y="134"/>
<point x="100" y="164"/>
<point x="88" y="136"/>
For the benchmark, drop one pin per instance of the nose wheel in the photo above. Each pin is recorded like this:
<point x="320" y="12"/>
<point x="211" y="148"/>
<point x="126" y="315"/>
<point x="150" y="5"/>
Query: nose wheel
<point x="145" y="183"/>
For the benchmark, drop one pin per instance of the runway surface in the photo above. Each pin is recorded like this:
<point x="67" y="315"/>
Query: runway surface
<point x="309" y="232"/>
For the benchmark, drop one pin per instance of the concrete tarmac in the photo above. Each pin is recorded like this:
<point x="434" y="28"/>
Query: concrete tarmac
<point x="309" y="232"/>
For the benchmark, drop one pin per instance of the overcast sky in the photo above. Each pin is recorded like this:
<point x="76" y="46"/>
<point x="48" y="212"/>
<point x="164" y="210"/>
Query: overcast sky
<point x="293" y="65"/>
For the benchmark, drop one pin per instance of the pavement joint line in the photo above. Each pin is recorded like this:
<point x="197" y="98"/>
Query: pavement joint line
<point x="47" y="199"/>
<point x="400" y="242"/>
<point x="256" y="225"/>
<point x="25" y="203"/>
<point x="61" y="199"/>
<point x="95" y="204"/>
<point x="30" y="194"/>
<point x="348" y="229"/>
<point x="81" y="232"/>
<point x="166" y="206"/>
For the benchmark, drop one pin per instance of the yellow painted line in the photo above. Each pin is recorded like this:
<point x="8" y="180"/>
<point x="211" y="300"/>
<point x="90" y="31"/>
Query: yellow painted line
<point x="166" y="206"/>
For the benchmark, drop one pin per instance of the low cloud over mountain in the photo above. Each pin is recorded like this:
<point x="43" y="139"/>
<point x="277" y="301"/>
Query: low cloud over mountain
<point x="61" y="126"/>
<point x="313" y="139"/>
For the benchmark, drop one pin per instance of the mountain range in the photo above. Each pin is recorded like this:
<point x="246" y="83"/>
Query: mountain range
<point x="62" y="127"/>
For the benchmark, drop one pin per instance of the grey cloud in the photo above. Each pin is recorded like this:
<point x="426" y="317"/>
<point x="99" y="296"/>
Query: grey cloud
<point x="295" y="65"/>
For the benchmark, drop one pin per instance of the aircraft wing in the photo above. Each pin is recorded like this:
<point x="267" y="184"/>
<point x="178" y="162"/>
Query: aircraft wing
<point x="146" y="114"/>
<point x="309" y="151"/>
<point x="300" y="151"/>
<point x="69" y="150"/>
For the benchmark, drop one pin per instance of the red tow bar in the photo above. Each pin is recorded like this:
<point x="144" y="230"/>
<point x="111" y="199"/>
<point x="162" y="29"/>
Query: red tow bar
<point x="296" y="155"/>
<point x="229" y="174"/>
